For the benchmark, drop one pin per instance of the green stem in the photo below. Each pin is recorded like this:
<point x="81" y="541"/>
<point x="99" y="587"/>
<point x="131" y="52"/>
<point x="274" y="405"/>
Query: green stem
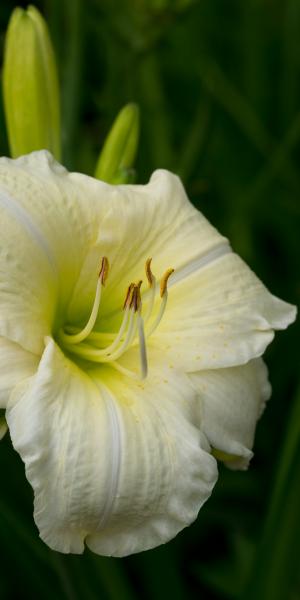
<point x="113" y="577"/>
<point x="195" y="140"/>
<point x="254" y="55"/>
<point x="72" y="78"/>
<point x="216" y="83"/>
<point x="67" y="585"/>
<point x="278" y="554"/>
<point x="156" y="112"/>
<point x="289" y="75"/>
<point x="273" y="166"/>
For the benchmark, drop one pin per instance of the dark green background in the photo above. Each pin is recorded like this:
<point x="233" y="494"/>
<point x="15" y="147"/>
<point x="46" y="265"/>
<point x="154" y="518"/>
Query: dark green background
<point x="218" y="84"/>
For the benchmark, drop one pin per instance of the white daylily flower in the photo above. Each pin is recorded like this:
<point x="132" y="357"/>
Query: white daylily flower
<point x="116" y="391"/>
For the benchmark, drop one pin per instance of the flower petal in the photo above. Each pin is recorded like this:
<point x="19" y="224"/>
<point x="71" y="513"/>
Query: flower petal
<point x="220" y="316"/>
<point x="15" y="364"/>
<point x="231" y="401"/>
<point x="27" y="287"/>
<point x="47" y="229"/>
<point x="167" y="473"/>
<point x="119" y="464"/>
<point x="154" y="220"/>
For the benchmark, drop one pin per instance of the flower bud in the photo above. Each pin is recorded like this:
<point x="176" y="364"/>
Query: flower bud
<point x="30" y="85"/>
<point x="119" y="150"/>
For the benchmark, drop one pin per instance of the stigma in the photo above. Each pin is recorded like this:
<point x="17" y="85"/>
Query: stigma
<point x="140" y="318"/>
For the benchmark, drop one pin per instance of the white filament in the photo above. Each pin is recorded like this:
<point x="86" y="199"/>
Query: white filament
<point x="150" y="298"/>
<point x="159" y="316"/>
<point x="142" y="346"/>
<point x="109" y="349"/>
<point x="85" y="332"/>
<point x="104" y="356"/>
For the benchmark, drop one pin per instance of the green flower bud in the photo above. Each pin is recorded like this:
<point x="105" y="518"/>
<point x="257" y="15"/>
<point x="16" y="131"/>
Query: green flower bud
<point x="119" y="150"/>
<point x="30" y="85"/>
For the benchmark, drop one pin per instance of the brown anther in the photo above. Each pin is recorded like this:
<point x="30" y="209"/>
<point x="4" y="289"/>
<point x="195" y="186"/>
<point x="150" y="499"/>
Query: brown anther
<point x="103" y="273"/>
<point x="149" y="273"/>
<point x="128" y="297"/>
<point x="164" y="282"/>
<point x="136" y="301"/>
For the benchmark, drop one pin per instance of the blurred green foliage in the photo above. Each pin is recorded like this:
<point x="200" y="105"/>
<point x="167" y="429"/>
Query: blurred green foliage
<point x="218" y="85"/>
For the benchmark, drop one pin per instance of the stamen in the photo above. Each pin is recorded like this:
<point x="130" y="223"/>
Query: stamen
<point x="128" y="296"/>
<point x="116" y="340"/>
<point x="164" y="282"/>
<point x="85" y="332"/>
<point x="149" y="273"/>
<point x="97" y="336"/>
<point x="103" y="273"/>
<point x="159" y="316"/>
<point x="124" y="371"/>
<point x="126" y="342"/>
<point x="136" y="301"/>
<point x="143" y="349"/>
<point x="164" y="297"/>
<point x="152" y="286"/>
<point x="132" y="324"/>
<point x="143" y="356"/>
<point x="105" y="355"/>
